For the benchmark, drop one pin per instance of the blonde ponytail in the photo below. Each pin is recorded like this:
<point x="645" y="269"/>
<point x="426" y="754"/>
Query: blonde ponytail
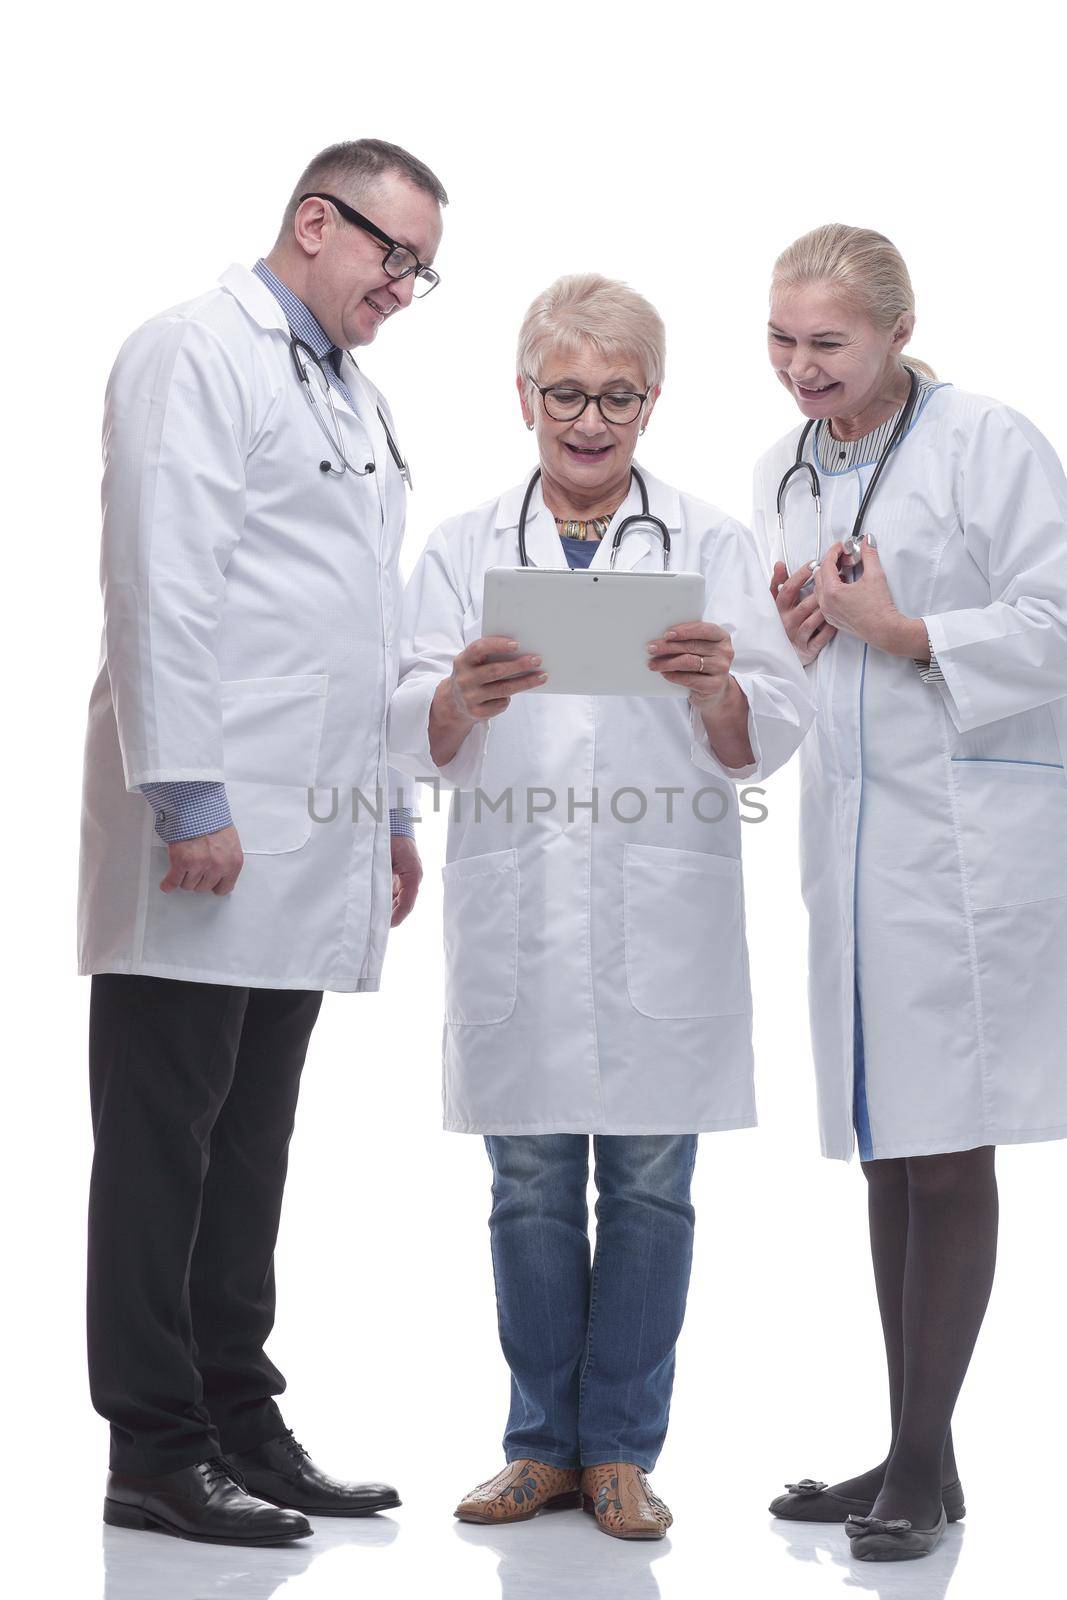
<point x="864" y="266"/>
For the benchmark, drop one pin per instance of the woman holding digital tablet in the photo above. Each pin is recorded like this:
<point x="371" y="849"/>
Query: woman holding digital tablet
<point x="597" y="981"/>
<point x="933" y="821"/>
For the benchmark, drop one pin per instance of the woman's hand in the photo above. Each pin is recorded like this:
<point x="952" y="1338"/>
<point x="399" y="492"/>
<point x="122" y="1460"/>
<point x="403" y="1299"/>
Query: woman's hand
<point x="698" y="656"/>
<point x="806" y="627"/>
<point x="865" y="607"/>
<point x="476" y="689"/>
<point x="480" y="687"/>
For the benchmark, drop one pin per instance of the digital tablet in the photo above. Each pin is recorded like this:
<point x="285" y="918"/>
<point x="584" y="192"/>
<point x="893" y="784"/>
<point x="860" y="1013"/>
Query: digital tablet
<point x="591" y="629"/>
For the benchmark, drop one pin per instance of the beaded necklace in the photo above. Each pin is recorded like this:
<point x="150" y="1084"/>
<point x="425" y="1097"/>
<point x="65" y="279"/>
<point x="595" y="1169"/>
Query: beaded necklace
<point x="591" y="528"/>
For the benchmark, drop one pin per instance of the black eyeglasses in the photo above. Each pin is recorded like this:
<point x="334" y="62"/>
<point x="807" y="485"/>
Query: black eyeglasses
<point x="564" y="403"/>
<point x="398" y="261"/>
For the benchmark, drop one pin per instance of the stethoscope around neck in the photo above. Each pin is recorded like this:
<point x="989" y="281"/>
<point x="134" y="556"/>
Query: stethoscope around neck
<point x="627" y="525"/>
<point x="807" y="469"/>
<point x="302" y="354"/>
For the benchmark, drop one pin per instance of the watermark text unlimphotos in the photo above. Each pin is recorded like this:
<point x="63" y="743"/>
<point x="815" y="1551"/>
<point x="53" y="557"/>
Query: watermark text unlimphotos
<point x="630" y="803"/>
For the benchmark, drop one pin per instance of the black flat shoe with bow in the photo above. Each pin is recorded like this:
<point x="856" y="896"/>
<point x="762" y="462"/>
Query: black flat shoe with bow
<point x="812" y="1501"/>
<point x="876" y="1539"/>
<point x="281" y="1472"/>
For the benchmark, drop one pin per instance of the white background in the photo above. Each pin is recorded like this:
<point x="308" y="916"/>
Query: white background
<point x="146" y="147"/>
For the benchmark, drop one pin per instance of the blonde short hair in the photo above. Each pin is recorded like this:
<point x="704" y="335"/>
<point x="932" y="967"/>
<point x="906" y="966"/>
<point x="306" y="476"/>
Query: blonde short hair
<point x="584" y="311"/>
<point x="863" y="266"/>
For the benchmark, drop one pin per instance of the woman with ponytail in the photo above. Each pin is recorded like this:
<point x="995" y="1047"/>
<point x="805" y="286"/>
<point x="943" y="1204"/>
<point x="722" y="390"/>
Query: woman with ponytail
<point x="930" y="614"/>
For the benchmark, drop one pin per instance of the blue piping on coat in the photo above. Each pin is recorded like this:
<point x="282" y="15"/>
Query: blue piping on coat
<point x="861" y="1115"/>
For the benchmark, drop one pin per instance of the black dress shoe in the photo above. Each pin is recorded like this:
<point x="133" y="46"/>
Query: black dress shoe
<point x="809" y="1501"/>
<point x="875" y="1539"/>
<point x="206" y="1502"/>
<point x="282" y="1472"/>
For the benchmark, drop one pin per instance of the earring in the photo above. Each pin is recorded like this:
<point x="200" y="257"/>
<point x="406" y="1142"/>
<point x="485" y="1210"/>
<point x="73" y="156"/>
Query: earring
<point x="529" y="427"/>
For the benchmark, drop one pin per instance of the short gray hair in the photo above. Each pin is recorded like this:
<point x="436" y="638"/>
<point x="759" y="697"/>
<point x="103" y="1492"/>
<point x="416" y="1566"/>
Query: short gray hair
<point x="352" y="168"/>
<point x="583" y="311"/>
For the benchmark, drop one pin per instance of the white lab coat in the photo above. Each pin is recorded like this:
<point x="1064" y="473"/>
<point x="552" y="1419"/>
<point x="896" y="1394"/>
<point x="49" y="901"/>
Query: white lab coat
<point x="596" y="972"/>
<point x="250" y="603"/>
<point x="934" y="817"/>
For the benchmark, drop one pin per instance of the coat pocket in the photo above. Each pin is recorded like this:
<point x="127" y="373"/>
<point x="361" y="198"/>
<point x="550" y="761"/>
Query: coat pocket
<point x="1013" y="830"/>
<point x="685" y="933"/>
<point x="481" y="917"/>
<point x="271" y="733"/>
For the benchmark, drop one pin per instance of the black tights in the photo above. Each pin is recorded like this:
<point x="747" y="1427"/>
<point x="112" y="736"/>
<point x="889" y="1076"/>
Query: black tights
<point x="933" y="1222"/>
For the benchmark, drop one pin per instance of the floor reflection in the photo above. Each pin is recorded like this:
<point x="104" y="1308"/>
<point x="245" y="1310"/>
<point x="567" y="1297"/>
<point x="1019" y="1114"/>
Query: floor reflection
<point x="566" y="1556"/>
<point x="925" y="1579"/>
<point x="138" y="1565"/>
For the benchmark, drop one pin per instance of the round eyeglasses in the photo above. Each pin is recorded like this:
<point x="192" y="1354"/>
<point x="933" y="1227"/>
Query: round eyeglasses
<point x="564" y="403"/>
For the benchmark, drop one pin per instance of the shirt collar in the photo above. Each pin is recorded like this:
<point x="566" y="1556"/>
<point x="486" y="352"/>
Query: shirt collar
<point x="302" y="322"/>
<point x="254" y="297"/>
<point x="842" y="455"/>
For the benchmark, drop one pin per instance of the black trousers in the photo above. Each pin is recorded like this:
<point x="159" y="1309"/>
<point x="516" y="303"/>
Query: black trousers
<point x="193" y="1090"/>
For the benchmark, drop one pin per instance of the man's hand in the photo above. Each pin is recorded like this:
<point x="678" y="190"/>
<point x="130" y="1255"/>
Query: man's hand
<point x="407" y="875"/>
<point x="807" y="629"/>
<point x="210" y="864"/>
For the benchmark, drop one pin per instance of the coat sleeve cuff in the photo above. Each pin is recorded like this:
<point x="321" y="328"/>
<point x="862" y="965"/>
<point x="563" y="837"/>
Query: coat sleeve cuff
<point x="409" y="740"/>
<point x="703" y="755"/>
<point x="948" y="680"/>
<point x="187" y="810"/>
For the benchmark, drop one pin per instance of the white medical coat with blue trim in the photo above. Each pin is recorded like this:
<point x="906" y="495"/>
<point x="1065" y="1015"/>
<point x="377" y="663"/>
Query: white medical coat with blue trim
<point x="596" y="970"/>
<point x="934" y="816"/>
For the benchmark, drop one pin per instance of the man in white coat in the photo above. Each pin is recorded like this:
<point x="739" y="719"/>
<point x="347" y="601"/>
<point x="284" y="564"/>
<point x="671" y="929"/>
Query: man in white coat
<point x="254" y="498"/>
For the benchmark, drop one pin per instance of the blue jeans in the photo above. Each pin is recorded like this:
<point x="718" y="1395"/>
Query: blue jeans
<point x="590" y="1346"/>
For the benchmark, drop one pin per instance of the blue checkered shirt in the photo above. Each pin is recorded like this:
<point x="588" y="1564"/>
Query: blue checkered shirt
<point x="188" y="810"/>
